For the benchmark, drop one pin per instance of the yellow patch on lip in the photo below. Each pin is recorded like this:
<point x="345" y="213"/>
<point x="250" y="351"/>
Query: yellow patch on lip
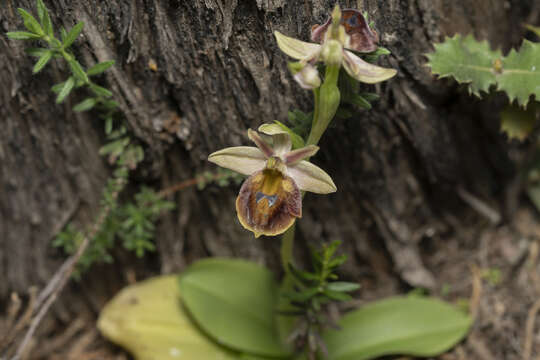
<point x="268" y="203"/>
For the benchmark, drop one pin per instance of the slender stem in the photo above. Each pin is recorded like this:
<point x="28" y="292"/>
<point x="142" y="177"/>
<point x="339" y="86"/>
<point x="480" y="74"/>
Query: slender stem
<point x="287" y="245"/>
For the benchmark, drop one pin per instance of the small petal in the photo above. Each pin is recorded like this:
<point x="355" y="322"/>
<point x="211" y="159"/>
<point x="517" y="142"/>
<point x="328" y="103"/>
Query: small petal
<point x="364" y="71"/>
<point x="310" y="177"/>
<point x="292" y="157"/>
<point x="268" y="203"/>
<point x="261" y="144"/>
<point x="308" y="78"/>
<point x="281" y="139"/>
<point x="295" y="48"/>
<point x="243" y="159"/>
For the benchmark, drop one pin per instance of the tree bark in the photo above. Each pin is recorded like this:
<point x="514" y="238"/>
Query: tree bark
<point x="398" y="167"/>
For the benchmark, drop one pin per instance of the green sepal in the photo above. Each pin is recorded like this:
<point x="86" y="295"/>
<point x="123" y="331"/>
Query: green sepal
<point x="297" y="141"/>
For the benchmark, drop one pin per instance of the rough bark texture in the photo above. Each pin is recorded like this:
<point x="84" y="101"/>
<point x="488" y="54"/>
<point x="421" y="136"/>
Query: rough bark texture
<point x="397" y="167"/>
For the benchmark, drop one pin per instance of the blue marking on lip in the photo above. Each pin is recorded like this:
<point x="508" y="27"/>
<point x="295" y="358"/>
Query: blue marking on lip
<point x="270" y="198"/>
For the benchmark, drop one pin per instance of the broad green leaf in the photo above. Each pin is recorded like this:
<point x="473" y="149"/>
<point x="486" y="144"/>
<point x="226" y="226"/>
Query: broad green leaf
<point x="22" y="35"/>
<point x="85" y="105"/>
<point x="146" y="318"/>
<point x="99" y="68"/>
<point x="44" y="17"/>
<point x="520" y="75"/>
<point x="30" y="22"/>
<point x="467" y="60"/>
<point x="234" y="301"/>
<point x="297" y="141"/>
<point x="517" y="122"/>
<point x="73" y="34"/>
<point x="42" y="61"/>
<point x="66" y="89"/>
<point x="413" y="326"/>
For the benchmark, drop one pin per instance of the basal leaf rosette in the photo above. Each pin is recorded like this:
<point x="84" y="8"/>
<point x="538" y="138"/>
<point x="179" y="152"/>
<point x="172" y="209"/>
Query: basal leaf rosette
<point x="270" y="199"/>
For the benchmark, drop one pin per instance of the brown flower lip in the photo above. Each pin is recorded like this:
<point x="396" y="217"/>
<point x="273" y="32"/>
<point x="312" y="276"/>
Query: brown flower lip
<point x="362" y="38"/>
<point x="270" y="198"/>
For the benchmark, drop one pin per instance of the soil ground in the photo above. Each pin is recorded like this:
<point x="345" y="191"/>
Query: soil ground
<point x="491" y="270"/>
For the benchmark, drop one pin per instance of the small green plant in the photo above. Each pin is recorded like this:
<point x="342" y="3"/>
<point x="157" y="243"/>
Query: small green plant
<point x="133" y="223"/>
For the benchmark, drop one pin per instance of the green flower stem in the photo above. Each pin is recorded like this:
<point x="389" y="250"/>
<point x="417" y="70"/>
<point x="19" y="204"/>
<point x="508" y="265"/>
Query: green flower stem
<point x="326" y="102"/>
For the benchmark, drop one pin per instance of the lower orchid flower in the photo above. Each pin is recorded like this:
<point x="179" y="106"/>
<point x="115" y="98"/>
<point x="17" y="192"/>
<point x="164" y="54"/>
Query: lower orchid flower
<point x="270" y="199"/>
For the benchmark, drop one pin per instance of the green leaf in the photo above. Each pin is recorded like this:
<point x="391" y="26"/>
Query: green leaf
<point x="42" y="61"/>
<point x="36" y="52"/>
<point x="297" y="141"/>
<point x="360" y="101"/>
<point x="65" y="90"/>
<point x="343" y="286"/>
<point x="337" y="295"/>
<point x="85" y="105"/>
<point x="400" y="325"/>
<point x="520" y="75"/>
<point x="22" y="35"/>
<point x="44" y="17"/>
<point x="234" y="302"/>
<point x="467" y="60"/>
<point x="100" y="91"/>
<point x="517" y="122"/>
<point x="30" y="22"/>
<point x="73" y="34"/>
<point x="77" y="70"/>
<point x="146" y="319"/>
<point x="99" y="68"/>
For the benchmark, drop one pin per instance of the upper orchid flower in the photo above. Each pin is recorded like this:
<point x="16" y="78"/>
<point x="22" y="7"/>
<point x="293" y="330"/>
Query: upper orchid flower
<point x="270" y="200"/>
<point x="337" y="37"/>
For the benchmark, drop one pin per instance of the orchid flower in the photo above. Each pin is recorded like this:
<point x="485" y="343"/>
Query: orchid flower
<point x="338" y="37"/>
<point x="270" y="199"/>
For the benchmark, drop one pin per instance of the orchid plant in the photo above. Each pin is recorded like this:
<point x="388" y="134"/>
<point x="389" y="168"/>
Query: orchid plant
<point x="230" y="308"/>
